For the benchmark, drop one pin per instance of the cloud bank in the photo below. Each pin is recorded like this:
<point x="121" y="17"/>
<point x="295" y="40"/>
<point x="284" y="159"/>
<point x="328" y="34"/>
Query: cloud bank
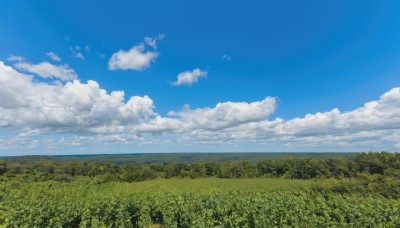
<point x="87" y="113"/>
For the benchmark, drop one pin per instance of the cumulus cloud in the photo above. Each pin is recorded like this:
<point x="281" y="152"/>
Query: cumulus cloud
<point x="381" y="114"/>
<point x="373" y="122"/>
<point x="85" y="107"/>
<point x="134" y="59"/>
<point x="375" y="125"/>
<point x="53" y="56"/>
<point x="189" y="77"/>
<point x="79" y="109"/>
<point x="73" y="108"/>
<point x="227" y="114"/>
<point x="213" y="120"/>
<point x="137" y="58"/>
<point x="48" y="70"/>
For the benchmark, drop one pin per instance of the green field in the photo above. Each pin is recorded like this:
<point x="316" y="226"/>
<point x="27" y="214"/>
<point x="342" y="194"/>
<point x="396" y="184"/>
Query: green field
<point x="207" y="202"/>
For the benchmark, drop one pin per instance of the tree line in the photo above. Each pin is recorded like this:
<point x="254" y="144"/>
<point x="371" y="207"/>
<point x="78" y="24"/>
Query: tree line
<point x="383" y="163"/>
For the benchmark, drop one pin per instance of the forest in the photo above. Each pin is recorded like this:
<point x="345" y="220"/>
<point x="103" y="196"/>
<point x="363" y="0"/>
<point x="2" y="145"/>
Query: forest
<point x="360" y="190"/>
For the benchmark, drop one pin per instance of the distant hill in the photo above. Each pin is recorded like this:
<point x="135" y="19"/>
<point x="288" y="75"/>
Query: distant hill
<point x="152" y="158"/>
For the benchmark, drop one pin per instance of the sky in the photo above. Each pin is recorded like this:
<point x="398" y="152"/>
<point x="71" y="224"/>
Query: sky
<point x="199" y="76"/>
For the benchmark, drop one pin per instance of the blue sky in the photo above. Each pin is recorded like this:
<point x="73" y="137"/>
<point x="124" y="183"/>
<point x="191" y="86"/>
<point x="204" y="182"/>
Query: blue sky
<point x="308" y="57"/>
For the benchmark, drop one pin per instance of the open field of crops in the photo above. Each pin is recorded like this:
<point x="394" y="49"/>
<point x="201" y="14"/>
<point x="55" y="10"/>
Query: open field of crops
<point x="205" y="202"/>
<point x="291" y="192"/>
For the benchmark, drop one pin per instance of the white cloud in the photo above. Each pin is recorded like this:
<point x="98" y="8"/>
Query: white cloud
<point x="14" y="58"/>
<point x="71" y="108"/>
<point x="48" y="70"/>
<point x="53" y="56"/>
<point x="189" y="77"/>
<point x="31" y="108"/>
<point x="381" y="114"/>
<point x="374" y="126"/>
<point x="207" y="123"/>
<point x="371" y="127"/>
<point x="136" y="58"/>
<point x="227" y="114"/>
<point x="159" y="126"/>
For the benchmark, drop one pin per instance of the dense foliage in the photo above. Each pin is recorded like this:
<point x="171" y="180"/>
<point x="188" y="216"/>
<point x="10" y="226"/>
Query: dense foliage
<point x="387" y="164"/>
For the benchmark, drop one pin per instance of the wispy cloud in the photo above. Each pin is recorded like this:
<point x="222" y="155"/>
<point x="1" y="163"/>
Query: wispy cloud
<point x="226" y="57"/>
<point x="45" y="69"/>
<point x="14" y="58"/>
<point x="152" y="42"/>
<point x="53" y="56"/>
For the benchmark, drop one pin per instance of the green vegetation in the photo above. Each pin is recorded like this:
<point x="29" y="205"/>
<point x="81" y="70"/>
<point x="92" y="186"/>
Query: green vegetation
<point x="225" y="204"/>
<point x="250" y="185"/>
<point x="292" y="192"/>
